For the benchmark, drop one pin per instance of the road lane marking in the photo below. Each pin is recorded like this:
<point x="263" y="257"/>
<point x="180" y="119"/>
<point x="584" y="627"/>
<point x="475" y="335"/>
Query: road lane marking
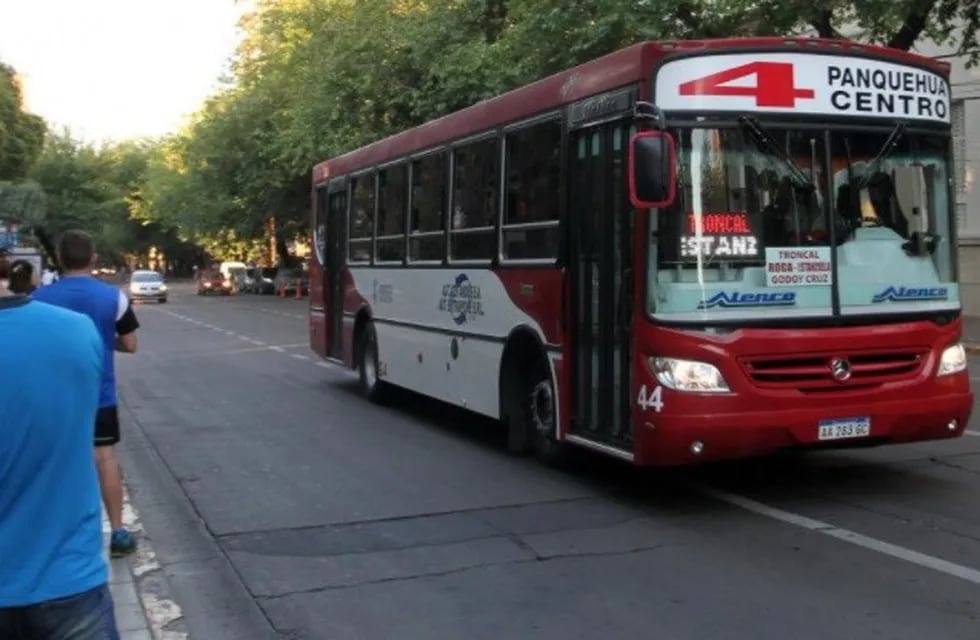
<point x="818" y="526"/>
<point x="300" y="356"/>
<point x="967" y="432"/>
<point x="279" y="349"/>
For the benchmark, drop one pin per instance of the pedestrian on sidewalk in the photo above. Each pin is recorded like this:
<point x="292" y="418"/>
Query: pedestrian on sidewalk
<point x="21" y="277"/>
<point x="113" y="315"/>
<point x="53" y="575"/>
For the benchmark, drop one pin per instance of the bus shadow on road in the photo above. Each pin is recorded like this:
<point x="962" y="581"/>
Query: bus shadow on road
<point x="855" y="473"/>
<point x="431" y="413"/>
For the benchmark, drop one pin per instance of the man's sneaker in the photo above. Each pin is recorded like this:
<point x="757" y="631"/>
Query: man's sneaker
<point x="121" y="543"/>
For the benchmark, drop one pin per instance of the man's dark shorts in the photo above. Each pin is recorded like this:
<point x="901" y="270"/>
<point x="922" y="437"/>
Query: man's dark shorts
<point x="107" y="426"/>
<point x="86" y="616"/>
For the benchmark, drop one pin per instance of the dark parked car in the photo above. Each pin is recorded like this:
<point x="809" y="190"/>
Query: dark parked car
<point x="287" y="279"/>
<point x="245" y="279"/>
<point x="265" y="281"/>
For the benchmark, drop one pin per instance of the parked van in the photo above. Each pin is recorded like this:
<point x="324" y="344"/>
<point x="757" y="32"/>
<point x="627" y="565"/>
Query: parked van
<point x="228" y="266"/>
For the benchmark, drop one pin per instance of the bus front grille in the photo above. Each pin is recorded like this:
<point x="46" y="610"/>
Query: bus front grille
<point x="843" y="370"/>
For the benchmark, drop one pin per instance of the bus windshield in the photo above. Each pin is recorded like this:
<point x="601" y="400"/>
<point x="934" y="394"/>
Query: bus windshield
<point x="756" y="221"/>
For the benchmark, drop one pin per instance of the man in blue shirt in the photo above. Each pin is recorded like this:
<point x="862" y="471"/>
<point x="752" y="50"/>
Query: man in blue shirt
<point x="112" y="313"/>
<point x="53" y="577"/>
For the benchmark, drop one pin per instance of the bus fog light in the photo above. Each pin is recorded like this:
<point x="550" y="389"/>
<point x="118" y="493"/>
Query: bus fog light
<point x="697" y="447"/>
<point x="688" y="375"/>
<point x="952" y="361"/>
<point x="953" y="425"/>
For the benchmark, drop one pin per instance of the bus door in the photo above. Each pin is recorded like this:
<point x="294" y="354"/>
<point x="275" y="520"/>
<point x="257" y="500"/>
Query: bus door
<point x="601" y="268"/>
<point x="333" y="282"/>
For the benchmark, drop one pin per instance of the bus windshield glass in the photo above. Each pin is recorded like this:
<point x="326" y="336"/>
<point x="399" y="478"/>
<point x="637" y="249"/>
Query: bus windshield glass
<point x="757" y="224"/>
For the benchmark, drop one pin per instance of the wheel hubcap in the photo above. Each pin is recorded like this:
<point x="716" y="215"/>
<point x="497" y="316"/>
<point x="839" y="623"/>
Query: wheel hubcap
<point x="370" y="370"/>
<point x="543" y="408"/>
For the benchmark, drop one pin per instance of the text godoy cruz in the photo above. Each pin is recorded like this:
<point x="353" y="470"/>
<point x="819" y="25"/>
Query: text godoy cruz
<point x="789" y="266"/>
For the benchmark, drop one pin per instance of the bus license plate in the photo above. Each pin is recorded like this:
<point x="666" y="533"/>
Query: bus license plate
<point x="843" y="428"/>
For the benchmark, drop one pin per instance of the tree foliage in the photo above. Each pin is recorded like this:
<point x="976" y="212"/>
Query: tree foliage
<point x="313" y="79"/>
<point x="99" y="189"/>
<point x="21" y="133"/>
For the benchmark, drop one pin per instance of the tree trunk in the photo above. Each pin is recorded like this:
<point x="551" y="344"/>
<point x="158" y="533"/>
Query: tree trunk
<point x="495" y="17"/>
<point x="914" y="23"/>
<point x="271" y="257"/>
<point x="823" y="25"/>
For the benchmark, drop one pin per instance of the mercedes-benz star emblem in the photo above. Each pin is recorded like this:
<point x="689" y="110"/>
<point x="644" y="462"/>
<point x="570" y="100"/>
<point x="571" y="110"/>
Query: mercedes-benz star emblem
<point x="840" y="369"/>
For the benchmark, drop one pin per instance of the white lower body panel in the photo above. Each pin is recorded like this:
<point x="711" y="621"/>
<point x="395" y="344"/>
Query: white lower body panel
<point x="422" y="360"/>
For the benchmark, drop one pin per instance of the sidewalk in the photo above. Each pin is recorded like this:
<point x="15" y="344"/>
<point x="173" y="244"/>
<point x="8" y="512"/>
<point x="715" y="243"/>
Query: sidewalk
<point x="131" y="618"/>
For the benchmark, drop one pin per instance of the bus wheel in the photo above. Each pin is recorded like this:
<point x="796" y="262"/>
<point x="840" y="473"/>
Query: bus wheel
<point x="371" y="386"/>
<point x="540" y="418"/>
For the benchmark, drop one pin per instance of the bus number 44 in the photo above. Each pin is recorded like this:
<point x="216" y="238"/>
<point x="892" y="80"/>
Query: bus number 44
<point x="652" y="400"/>
<point x="774" y="84"/>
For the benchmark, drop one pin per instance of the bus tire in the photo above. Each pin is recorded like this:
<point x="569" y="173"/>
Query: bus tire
<point x="531" y="418"/>
<point x="369" y="382"/>
<point x="542" y="416"/>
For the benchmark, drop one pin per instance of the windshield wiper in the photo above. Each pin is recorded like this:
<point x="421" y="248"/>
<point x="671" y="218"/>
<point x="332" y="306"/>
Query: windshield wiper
<point x="752" y="127"/>
<point x="884" y="152"/>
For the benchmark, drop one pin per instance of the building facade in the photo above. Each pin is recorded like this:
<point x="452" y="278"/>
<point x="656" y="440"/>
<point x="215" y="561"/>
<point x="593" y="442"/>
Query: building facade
<point x="965" y="88"/>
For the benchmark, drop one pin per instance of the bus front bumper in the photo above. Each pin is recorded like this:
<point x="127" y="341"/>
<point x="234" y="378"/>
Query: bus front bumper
<point x="694" y="439"/>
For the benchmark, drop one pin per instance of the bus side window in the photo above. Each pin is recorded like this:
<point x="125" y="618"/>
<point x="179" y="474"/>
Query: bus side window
<point x="533" y="169"/>
<point x="320" y="230"/>
<point x="361" y="218"/>
<point x="472" y="234"/>
<point x="427" y="238"/>
<point x="392" y="203"/>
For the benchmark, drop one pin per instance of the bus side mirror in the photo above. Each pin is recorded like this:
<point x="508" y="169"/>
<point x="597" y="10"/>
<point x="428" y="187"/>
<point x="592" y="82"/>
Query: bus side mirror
<point x="652" y="170"/>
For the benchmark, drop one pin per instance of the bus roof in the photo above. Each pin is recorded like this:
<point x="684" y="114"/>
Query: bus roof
<point x="617" y="69"/>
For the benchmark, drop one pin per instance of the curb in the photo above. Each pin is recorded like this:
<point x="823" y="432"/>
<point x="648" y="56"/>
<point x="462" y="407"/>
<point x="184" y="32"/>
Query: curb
<point x="163" y="615"/>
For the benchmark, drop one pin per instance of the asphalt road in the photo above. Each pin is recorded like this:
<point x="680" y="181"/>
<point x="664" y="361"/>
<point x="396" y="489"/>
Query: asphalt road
<point x="280" y="504"/>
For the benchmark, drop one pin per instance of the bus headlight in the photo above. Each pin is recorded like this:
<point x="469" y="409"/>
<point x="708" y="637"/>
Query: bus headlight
<point x="952" y="361"/>
<point x="688" y="375"/>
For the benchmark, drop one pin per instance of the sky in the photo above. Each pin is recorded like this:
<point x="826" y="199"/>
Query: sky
<point x="117" y="69"/>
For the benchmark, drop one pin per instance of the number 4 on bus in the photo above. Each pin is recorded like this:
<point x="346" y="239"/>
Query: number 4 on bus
<point x="652" y="169"/>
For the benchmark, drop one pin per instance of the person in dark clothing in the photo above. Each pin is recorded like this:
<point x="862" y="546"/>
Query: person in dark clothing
<point x="21" y="277"/>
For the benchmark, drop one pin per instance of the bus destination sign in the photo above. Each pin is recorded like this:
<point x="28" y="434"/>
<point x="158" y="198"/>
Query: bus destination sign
<point x="798" y="266"/>
<point x="723" y="236"/>
<point x="804" y="84"/>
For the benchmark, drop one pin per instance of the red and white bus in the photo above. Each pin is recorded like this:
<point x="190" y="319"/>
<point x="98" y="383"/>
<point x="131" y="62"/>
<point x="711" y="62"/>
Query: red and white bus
<point x="678" y="252"/>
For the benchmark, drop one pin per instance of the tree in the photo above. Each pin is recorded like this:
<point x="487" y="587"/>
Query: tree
<point x="21" y="133"/>
<point x="312" y="80"/>
<point x="101" y="190"/>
